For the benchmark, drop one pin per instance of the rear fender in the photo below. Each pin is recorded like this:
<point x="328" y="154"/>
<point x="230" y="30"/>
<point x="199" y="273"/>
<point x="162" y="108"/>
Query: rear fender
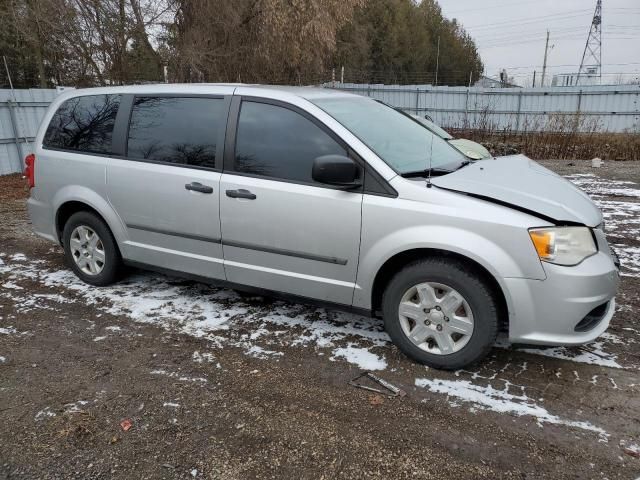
<point x="78" y="193"/>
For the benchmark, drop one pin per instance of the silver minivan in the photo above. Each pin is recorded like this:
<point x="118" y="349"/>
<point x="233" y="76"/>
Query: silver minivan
<point x="322" y="197"/>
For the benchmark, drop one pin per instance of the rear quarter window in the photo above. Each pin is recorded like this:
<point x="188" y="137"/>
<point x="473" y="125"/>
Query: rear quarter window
<point x="177" y="130"/>
<point x="83" y="124"/>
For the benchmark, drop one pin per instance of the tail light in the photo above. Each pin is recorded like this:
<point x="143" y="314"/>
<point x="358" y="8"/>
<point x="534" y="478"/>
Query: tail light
<point x="29" y="169"/>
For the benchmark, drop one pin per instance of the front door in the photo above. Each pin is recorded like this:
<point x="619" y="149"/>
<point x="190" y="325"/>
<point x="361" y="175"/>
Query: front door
<point x="166" y="189"/>
<point x="280" y="229"/>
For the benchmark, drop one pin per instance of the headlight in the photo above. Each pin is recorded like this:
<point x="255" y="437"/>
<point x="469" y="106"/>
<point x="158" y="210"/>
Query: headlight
<point x="563" y="245"/>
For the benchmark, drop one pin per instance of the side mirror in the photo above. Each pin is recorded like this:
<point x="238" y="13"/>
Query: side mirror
<point x="336" y="170"/>
<point x="428" y="117"/>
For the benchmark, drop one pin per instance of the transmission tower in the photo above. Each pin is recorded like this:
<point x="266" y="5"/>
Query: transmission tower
<point x="592" y="57"/>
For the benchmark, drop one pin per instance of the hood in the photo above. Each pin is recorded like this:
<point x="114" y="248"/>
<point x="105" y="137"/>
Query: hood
<point x="520" y="182"/>
<point x="465" y="146"/>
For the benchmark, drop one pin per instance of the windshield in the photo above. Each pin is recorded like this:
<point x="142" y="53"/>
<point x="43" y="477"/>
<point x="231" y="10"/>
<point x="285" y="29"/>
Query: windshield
<point x="403" y="143"/>
<point x="442" y="133"/>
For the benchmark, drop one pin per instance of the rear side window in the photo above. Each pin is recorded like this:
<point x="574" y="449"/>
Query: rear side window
<point x="176" y="130"/>
<point x="83" y="124"/>
<point x="277" y="142"/>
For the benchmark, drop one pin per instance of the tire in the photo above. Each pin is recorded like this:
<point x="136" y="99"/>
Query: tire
<point x="96" y="262"/>
<point x="471" y="328"/>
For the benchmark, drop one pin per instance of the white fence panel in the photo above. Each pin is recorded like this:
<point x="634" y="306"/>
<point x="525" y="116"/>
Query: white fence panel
<point x="606" y="108"/>
<point x="20" y="117"/>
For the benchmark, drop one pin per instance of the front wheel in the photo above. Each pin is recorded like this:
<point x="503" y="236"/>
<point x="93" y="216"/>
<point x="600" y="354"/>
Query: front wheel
<point x="440" y="313"/>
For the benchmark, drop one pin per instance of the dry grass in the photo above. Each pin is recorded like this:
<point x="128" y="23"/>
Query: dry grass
<point x="77" y="425"/>
<point x="554" y="137"/>
<point x="547" y="146"/>
<point x="12" y="187"/>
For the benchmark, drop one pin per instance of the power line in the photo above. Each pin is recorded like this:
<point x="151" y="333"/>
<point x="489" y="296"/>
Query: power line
<point x="538" y="32"/>
<point x="561" y="16"/>
<point x="569" y="37"/>
<point x="567" y="13"/>
<point x="554" y="33"/>
<point x="491" y="7"/>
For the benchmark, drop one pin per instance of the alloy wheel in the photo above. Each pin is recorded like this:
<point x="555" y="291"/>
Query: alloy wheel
<point x="87" y="250"/>
<point x="436" y="318"/>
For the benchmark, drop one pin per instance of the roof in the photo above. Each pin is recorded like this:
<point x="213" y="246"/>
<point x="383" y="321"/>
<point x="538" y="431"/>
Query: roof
<point x="214" y="88"/>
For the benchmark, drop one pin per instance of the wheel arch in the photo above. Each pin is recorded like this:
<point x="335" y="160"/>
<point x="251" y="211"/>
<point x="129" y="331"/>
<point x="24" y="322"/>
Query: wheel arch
<point x="76" y="199"/>
<point x="398" y="261"/>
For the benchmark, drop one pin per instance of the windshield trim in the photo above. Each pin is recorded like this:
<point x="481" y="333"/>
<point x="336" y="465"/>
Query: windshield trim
<point x="397" y="172"/>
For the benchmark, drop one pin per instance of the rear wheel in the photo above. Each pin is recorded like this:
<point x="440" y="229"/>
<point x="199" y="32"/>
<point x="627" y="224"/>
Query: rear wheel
<point x="90" y="249"/>
<point x="440" y="313"/>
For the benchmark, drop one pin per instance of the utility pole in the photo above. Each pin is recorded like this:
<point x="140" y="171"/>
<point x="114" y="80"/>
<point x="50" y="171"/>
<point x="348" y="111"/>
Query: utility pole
<point x="591" y="63"/>
<point x="544" y="64"/>
<point x="534" y="79"/>
<point x="437" y="60"/>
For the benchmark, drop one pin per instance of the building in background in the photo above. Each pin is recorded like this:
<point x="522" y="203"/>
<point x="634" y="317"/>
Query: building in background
<point x="489" y="82"/>
<point x="589" y="77"/>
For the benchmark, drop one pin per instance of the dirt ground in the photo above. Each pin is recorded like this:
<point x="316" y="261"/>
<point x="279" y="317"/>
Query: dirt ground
<point x="218" y="385"/>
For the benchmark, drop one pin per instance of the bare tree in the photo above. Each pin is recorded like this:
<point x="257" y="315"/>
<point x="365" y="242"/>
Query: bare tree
<point x="280" y="41"/>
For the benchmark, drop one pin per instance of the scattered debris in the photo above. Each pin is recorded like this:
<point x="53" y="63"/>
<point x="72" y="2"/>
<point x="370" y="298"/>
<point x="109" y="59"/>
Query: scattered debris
<point x="44" y="413"/>
<point x="126" y="424"/>
<point x="597" y="162"/>
<point x="390" y="390"/>
<point x="376" y="399"/>
<point x="631" y="449"/>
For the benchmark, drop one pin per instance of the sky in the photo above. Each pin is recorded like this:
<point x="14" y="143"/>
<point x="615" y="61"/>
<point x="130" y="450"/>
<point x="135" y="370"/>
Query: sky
<point x="511" y="34"/>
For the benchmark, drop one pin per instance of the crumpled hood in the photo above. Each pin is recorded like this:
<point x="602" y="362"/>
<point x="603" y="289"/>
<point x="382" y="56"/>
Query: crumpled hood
<point x="519" y="181"/>
<point x="465" y="146"/>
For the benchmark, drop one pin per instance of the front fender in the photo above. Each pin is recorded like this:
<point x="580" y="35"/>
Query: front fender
<point x="495" y="259"/>
<point x="78" y="193"/>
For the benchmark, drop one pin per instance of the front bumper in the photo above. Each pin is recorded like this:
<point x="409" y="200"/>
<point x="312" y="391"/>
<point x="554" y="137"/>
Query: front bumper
<point x="549" y="312"/>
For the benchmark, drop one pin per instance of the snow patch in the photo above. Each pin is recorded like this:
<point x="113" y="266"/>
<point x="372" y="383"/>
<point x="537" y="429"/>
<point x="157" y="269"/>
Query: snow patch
<point x="75" y="407"/>
<point x="44" y="413"/>
<point x="622" y="217"/>
<point x="501" y="401"/>
<point x="203" y="357"/>
<point x="361" y="357"/>
<point x="204" y="311"/>
<point x="171" y="405"/>
<point x="591" y="353"/>
<point x="179" y="377"/>
<point x="259" y="352"/>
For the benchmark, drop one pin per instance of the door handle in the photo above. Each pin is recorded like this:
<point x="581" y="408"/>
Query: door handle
<point x="198" y="187"/>
<point x="241" y="193"/>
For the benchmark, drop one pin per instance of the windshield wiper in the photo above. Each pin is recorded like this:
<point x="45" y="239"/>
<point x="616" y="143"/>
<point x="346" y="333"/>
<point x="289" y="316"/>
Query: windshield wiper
<point x="425" y="173"/>
<point x="463" y="164"/>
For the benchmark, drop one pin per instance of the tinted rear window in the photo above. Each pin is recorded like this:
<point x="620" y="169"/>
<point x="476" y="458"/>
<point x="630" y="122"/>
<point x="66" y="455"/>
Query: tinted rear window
<point x="83" y="124"/>
<point x="176" y="130"/>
